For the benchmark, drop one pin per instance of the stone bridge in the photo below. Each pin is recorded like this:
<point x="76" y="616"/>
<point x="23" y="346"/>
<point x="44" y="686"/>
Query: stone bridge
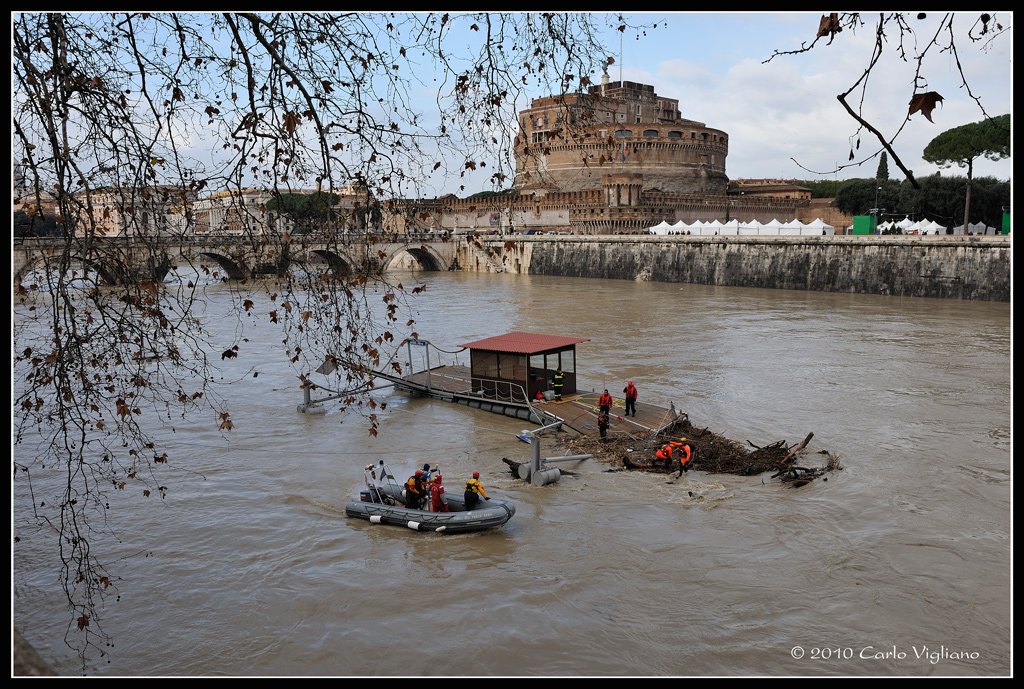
<point x="120" y="259"/>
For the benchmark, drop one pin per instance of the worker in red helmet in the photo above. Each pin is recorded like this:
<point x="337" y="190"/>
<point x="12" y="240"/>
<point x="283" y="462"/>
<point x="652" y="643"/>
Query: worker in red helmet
<point x="474" y="491"/>
<point x="438" y="500"/>
<point x="415" y="490"/>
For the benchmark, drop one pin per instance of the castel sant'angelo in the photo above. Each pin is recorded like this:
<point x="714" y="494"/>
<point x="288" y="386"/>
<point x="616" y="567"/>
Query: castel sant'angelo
<point x="617" y="159"/>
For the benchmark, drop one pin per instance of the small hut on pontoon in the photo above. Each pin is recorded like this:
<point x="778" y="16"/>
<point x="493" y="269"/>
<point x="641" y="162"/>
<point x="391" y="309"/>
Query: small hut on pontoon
<point x="508" y="366"/>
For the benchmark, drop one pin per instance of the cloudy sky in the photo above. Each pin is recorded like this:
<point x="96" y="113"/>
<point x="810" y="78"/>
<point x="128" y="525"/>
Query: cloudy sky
<point x="783" y="118"/>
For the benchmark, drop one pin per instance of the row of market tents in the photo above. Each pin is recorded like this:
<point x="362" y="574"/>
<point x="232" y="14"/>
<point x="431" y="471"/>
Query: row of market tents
<point x="735" y="227"/>
<point x="908" y="226"/>
<point x="818" y="227"/>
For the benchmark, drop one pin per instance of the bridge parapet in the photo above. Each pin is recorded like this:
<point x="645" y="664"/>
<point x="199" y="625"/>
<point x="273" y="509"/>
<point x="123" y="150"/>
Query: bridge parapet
<point x="121" y="259"/>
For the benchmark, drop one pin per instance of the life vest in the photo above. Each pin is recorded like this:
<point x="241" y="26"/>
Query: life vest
<point x="630" y="392"/>
<point x="685" y="458"/>
<point x="665" y="453"/>
<point x="474" y="486"/>
<point x="605" y="401"/>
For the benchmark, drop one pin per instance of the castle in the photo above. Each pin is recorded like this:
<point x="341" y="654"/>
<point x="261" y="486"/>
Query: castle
<point x="572" y="142"/>
<point x="618" y="159"/>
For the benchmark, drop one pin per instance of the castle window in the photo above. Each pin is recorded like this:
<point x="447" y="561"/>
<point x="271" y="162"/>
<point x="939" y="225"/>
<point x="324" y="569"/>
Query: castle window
<point x="675" y="135"/>
<point x="623" y="134"/>
<point x="650" y="133"/>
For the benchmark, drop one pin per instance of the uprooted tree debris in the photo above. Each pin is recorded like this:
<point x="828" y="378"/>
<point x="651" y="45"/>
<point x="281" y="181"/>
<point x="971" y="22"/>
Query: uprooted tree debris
<point x="711" y="453"/>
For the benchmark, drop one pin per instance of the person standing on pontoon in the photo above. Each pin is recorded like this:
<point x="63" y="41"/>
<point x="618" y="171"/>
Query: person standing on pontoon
<point x="630" y="392"/>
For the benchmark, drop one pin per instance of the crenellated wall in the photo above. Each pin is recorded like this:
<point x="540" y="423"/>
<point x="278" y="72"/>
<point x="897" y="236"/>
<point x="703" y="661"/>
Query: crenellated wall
<point x="973" y="268"/>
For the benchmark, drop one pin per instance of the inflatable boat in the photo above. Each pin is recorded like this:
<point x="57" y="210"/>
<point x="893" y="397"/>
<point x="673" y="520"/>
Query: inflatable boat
<point x="383" y="502"/>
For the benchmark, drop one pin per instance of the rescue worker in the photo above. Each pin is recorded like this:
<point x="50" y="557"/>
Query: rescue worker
<point x="630" y="392"/>
<point x="474" y="491"/>
<point x="415" y="491"/>
<point x="667" y="452"/>
<point x="602" y="423"/>
<point x="438" y="500"/>
<point x="604" y="403"/>
<point x="556" y="384"/>
<point x="664" y="454"/>
<point x="686" y="456"/>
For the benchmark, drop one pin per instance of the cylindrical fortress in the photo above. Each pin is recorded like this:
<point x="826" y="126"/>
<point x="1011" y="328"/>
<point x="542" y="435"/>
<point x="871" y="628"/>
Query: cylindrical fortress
<point x="573" y="141"/>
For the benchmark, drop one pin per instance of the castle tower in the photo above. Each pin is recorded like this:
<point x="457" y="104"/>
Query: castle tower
<point x="571" y="141"/>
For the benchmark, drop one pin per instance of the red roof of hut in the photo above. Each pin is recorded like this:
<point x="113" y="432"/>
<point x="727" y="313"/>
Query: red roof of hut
<point x="524" y="343"/>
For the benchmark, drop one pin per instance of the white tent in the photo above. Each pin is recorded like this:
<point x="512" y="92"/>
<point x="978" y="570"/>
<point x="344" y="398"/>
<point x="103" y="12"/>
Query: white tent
<point x="975" y="227"/>
<point x="818" y="227"/>
<point x="792" y="227"/>
<point x="660" y="228"/>
<point x="749" y="228"/>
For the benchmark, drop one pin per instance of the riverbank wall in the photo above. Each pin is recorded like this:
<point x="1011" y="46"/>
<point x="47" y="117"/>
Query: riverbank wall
<point x="943" y="267"/>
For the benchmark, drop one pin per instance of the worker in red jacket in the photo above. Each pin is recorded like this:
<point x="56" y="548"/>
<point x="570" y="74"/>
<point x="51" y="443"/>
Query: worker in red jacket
<point x="605" y="402"/>
<point x="438" y="500"/>
<point x="630" y="392"/>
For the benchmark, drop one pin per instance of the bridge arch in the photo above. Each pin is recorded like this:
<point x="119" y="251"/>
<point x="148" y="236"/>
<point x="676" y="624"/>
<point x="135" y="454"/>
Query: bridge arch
<point x="426" y="256"/>
<point x="44" y="255"/>
<point x="235" y="270"/>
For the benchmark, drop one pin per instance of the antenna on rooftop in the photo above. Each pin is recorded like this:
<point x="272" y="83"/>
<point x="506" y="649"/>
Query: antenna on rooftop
<point x="620" y="58"/>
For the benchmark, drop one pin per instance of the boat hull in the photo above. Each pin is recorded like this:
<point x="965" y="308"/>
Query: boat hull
<point x="386" y="506"/>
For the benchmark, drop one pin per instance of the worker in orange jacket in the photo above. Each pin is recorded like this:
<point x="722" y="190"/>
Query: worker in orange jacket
<point x="686" y="456"/>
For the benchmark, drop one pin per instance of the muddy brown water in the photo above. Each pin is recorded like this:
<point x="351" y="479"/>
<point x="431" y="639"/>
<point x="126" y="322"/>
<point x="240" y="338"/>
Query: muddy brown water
<point x="897" y="565"/>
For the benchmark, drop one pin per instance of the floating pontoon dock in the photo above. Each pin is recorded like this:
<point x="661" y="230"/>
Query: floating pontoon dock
<point x="508" y="371"/>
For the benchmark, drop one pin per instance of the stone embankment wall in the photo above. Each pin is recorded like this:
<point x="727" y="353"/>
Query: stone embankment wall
<point x="973" y="268"/>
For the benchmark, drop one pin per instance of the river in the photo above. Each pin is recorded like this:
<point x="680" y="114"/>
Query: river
<point x="898" y="565"/>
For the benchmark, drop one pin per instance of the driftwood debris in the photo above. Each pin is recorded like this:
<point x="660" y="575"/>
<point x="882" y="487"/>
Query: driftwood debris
<point x="796" y="476"/>
<point x="713" y="453"/>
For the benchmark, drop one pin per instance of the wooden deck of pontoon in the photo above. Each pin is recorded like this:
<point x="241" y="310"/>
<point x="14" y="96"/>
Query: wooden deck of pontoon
<point x="577" y="411"/>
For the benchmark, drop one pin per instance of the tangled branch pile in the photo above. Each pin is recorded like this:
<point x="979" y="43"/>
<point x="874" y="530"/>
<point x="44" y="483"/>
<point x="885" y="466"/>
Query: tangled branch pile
<point x="713" y="453"/>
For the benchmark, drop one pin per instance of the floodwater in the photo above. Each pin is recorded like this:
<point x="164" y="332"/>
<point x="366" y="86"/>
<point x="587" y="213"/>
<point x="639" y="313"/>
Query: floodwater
<point x="897" y="565"/>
